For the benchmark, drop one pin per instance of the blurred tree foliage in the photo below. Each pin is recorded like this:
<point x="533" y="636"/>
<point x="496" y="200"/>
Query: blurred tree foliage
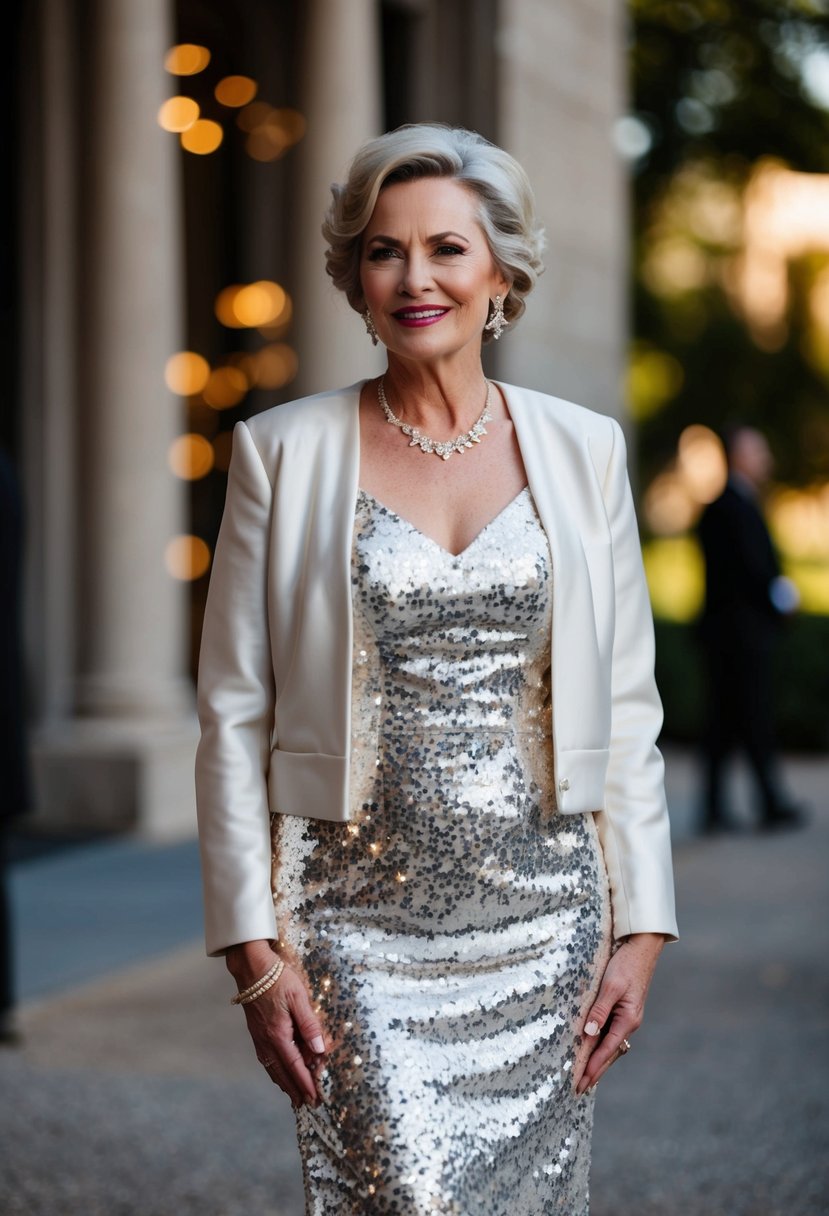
<point x="719" y="84"/>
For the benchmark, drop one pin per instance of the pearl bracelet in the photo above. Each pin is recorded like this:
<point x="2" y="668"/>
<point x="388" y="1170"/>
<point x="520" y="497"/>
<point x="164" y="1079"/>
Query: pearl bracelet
<point x="260" y="987"/>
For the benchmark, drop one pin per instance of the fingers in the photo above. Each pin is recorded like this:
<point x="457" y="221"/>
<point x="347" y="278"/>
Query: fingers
<point x="299" y="1082"/>
<point x="289" y="1037"/>
<point x="300" y="1039"/>
<point x="286" y="1083"/>
<point x="307" y="1022"/>
<point x="614" y="1016"/>
<point x="605" y="1054"/>
<point x="598" y="1017"/>
<point x="622" y="1049"/>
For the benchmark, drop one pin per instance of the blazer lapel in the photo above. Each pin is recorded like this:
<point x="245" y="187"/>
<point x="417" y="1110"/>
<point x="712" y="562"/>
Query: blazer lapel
<point x="556" y="472"/>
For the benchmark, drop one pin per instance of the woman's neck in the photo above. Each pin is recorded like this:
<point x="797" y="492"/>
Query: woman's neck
<point x="440" y="399"/>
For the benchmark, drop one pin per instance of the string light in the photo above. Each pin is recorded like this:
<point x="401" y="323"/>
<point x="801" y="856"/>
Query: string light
<point x="191" y="456"/>
<point x="187" y="557"/>
<point x="203" y="137"/>
<point x="178" y="114"/>
<point x="235" y="91"/>
<point x="186" y="59"/>
<point x="186" y="373"/>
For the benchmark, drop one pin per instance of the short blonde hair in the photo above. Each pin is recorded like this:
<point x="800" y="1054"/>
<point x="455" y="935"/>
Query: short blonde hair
<point x="506" y="204"/>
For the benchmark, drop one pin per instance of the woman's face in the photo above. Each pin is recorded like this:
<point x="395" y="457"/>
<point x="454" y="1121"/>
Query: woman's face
<point x="426" y="270"/>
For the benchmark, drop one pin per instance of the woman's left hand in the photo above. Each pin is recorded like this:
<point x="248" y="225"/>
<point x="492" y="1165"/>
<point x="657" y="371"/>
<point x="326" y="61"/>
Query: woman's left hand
<point x="618" y="1009"/>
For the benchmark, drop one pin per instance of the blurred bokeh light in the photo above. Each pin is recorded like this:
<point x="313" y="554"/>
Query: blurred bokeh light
<point x="252" y="305"/>
<point x="270" y="131"/>
<point x="273" y="366"/>
<point x="225" y="387"/>
<point x="186" y="59"/>
<point x="235" y="91"/>
<point x="203" y="137"/>
<point x="191" y="456"/>
<point x="186" y="373"/>
<point x="178" y="114"/>
<point x="187" y="557"/>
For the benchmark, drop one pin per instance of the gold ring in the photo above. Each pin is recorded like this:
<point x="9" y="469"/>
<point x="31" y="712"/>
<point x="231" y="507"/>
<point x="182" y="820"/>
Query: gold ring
<point x="624" y="1047"/>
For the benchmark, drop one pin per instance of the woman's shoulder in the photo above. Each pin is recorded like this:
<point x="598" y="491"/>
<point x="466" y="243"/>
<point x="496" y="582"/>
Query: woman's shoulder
<point x="316" y="412"/>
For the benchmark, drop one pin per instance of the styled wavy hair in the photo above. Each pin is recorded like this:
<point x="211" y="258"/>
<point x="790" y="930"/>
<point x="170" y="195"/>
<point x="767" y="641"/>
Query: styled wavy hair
<point x="506" y="210"/>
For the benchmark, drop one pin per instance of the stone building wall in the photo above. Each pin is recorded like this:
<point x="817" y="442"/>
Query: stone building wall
<point x="561" y="90"/>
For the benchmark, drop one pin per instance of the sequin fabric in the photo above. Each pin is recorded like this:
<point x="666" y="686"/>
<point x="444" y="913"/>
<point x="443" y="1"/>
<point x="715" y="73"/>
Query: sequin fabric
<point x="454" y="930"/>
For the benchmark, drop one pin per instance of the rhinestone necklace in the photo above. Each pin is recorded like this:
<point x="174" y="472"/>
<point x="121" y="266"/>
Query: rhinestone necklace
<point x="445" y="448"/>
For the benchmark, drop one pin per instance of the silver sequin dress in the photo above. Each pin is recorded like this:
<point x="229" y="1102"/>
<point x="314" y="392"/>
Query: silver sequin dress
<point x="454" y="930"/>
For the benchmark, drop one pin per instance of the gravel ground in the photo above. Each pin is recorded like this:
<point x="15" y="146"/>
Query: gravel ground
<point x="136" y="1095"/>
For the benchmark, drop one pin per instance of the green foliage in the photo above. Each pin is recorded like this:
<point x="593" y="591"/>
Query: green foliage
<point x="721" y="79"/>
<point x="680" y="679"/>
<point x="719" y="84"/>
<point x="802" y="686"/>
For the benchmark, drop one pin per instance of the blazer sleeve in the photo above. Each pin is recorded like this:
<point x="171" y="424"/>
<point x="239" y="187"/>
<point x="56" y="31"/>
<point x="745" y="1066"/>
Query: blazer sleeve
<point x="633" y="826"/>
<point x="235" y="699"/>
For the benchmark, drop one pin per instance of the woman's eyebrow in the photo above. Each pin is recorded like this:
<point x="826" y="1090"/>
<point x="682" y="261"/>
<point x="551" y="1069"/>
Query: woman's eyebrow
<point x="443" y="236"/>
<point x="432" y="240"/>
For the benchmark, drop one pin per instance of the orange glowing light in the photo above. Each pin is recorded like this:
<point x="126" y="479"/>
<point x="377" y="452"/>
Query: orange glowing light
<point x="266" y="143"/>
<point x="273" y="365"/>
<point x="187" y="557"/>
<point x="270" y="131"/>
<point x="701" y="463"/>
<point x="190" y="456"/>
<point x="274" y="328"/>
<point x="786" y="215"/>
<point x="186" y="373"/>
<point x="178" y="114"/>
<point x="186" y="59"/>
<point x="253" y="305"/>
<point x="203" y="137"/>
<point x="223" y="306"/>
<point x="668" y="506"/>
<point x="235" y="90"/>
<point x="800" y="521"/>
<point x="259" y="303"/>
<point x="253" y="115"/>
<point x="226" y="387"/>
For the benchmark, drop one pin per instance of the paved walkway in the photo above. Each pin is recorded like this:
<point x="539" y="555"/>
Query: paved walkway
<point x="135" y="1093"/>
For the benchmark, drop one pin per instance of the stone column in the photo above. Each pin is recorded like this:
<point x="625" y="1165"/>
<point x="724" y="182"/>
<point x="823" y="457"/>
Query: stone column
<point x="134" y="629"/>
<point x="561" y="75"/>
<point x="341" y="103"/>
<point x="125" y="758"/>
<point x="48" y="356"/>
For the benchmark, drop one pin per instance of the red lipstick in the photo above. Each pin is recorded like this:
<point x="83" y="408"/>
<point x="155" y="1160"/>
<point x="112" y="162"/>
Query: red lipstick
<point x="417" y="317"/>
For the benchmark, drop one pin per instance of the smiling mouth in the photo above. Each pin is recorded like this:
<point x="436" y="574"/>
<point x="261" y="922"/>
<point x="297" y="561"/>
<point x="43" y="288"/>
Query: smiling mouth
<point x="419" y="316"/>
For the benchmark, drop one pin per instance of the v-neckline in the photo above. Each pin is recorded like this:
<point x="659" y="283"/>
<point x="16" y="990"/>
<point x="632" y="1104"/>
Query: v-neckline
<point x="430" y="539"/>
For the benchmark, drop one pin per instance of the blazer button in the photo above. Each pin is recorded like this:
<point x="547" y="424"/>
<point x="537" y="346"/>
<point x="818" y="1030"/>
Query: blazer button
<point x="564" y="785"/>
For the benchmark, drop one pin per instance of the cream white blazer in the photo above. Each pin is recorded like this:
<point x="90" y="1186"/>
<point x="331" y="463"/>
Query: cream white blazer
<point x="274" y="683"/>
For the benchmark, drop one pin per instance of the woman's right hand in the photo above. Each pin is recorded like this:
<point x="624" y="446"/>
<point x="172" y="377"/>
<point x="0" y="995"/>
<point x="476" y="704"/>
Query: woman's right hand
<point x="287" y="1033"/>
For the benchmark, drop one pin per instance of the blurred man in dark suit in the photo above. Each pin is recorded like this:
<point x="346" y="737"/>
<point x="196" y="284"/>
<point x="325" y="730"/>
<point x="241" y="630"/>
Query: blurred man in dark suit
<point x="14" y="783"/>
<point x="746" y="599"/>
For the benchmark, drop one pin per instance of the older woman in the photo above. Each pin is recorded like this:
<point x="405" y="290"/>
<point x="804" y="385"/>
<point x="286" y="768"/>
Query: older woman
<point x="435" y="843"/>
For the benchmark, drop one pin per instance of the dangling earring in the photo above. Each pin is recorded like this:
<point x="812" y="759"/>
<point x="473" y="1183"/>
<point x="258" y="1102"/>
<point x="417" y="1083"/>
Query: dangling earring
<point x="370" y="330"/>
<point x="497" y="322"/>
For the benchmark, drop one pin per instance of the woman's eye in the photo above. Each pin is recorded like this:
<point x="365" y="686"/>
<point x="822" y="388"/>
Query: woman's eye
<point x="445" y="250"/>
<point x="382" y="253"/>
